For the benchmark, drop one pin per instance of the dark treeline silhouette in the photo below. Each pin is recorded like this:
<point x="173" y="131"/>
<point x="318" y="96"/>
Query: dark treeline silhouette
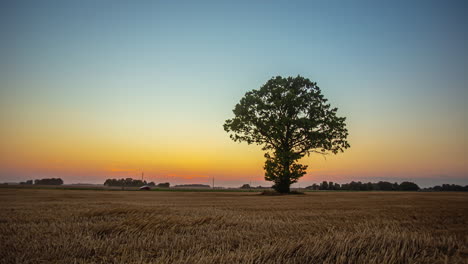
<point x="363" y="186"/>
<point x="47" y="181"/>
<point x="383" y="186"/>
<point x="129" y="182"/>
<point x="247" y="186"/>
<point x="448" y="188"/>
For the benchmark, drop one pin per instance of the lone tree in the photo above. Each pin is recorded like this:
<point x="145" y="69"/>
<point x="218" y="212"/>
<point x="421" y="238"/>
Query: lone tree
<point x="289" y="118"/>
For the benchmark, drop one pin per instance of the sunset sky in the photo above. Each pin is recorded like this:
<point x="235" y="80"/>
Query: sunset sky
<point x="91" y="90"/>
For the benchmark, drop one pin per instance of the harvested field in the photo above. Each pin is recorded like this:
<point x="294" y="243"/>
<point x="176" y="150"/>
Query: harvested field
<point x="86" y="226"/>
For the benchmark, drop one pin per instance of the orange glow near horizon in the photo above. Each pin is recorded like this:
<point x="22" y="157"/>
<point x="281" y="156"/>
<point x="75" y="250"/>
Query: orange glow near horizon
<point x="95" y="157"/>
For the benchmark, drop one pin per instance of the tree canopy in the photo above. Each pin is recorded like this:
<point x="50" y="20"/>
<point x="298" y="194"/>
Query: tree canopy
<point x="290" y="118"/>
<point x="49" y="181"/>
<point x="128" y="182"/>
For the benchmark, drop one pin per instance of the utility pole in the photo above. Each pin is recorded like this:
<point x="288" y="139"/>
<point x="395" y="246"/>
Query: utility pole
<point x="213" y="182"/>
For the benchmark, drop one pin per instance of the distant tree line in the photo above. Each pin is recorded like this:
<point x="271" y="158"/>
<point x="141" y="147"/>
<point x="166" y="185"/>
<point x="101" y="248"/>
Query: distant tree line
<point x="129" y="182"/>
<point x="247" y="186"/>
<point x="383" y="186"/>
<point x="448" y="188"/>
<point x="46" y="181"/>
<point x="363" y="186"/>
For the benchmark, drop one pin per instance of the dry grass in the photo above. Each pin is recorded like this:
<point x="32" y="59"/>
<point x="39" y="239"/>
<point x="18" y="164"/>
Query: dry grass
<point x="79" y="226"/>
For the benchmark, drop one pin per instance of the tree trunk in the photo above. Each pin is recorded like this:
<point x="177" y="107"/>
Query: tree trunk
<point x="284" y="181"/>
<point x="282" y="186"/>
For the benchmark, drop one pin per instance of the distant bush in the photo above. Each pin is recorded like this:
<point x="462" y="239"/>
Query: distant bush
<point x="49" y="181"/>
<point x="408" y="186"/>
<point x="128" y="182"/>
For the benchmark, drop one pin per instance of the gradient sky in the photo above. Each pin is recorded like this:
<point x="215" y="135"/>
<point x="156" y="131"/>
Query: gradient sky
<point x="91" y="90"/>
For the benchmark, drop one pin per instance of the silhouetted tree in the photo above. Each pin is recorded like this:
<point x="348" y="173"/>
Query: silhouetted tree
<point x="49" y="181"/>
<point x="128" y="182"/>
<point x="290" y="118"/>
<point x="408" y="186"/>
<point x="363" y="186"/>
<point x="355" y="186"/>
<point x="337" y="187"/>
<point x="384" y="186"/>
<point x="245" y="186"/>
<point x="324" y="185"/>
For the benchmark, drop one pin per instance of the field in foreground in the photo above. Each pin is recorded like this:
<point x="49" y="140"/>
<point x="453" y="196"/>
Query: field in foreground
<point x="81" y="226"/>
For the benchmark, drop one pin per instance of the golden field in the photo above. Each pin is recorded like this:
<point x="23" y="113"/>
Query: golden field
<point x="89" y="226"/>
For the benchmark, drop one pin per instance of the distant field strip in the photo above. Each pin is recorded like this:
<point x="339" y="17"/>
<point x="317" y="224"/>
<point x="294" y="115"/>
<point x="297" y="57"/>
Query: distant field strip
<point x="86" y="226"/>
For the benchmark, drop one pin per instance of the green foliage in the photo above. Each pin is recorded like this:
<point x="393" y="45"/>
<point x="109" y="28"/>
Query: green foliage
<point x="289" y="118"/>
